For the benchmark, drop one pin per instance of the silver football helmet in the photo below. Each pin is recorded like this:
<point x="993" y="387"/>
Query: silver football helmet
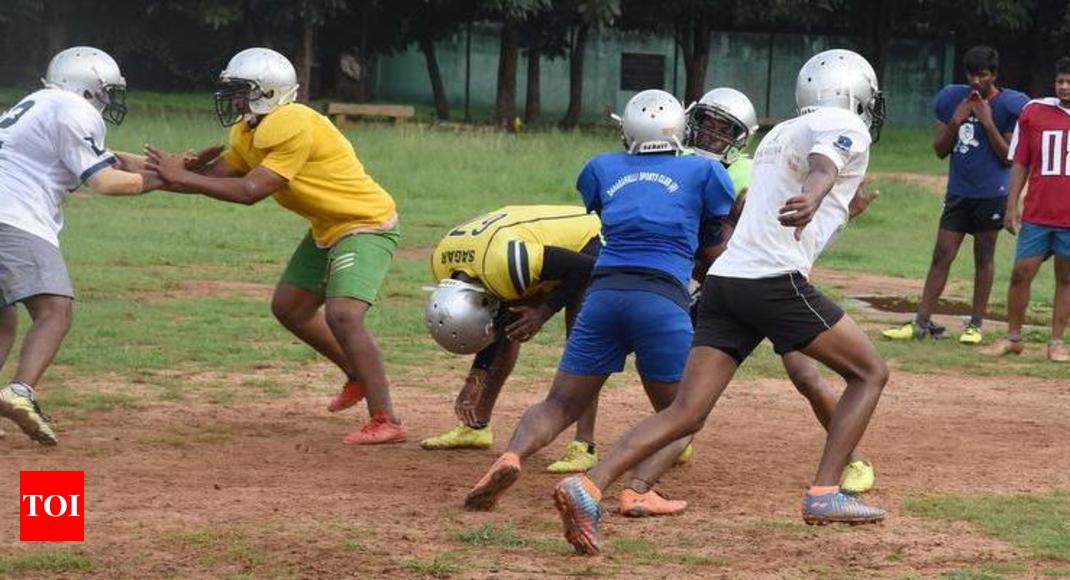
<point x="653" y="122"/>
<point x="460" y="316"/>
<point x="93" y="74"/>
<point x="841" y="78"/>
<point x="256" y="82"/>
<point x="721" y="124"/>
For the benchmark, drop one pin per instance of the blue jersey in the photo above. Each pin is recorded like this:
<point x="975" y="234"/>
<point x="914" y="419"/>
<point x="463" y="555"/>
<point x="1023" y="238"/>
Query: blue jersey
<point x="651" y="208"/>
<point x="975" y="169"/>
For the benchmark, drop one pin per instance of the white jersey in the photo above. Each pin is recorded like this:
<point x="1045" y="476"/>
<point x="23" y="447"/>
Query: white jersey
<point x="50" y="142"/>
<point x="760" y="247"/>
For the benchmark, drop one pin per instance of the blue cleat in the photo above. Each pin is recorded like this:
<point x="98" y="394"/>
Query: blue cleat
<point x="838" y="508"/>
<point x="577" y="500"/>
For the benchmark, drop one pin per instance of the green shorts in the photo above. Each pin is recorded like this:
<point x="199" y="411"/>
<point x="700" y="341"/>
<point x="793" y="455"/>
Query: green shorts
<point x="354" y="267"/>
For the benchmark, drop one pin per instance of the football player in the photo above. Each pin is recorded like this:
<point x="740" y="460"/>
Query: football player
<point x="652" y="202"/>
<point x="285" y="150"/>
<point x="806" y="171"/>
<point x="720" y="126"/>
<point x="51" y="142"/>
<point x="500" y="277"/>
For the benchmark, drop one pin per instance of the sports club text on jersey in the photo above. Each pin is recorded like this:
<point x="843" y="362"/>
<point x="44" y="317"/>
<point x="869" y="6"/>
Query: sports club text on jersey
<point x="503" y="249"/>
<point x="1042" y="141"/>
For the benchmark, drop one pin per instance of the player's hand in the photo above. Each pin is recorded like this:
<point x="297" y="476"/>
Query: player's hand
<point x="862" y="198"/>
<point x="983" y="111"/>
<point x="197" y="160"/>
<point x="528" y="322"/>
<point x="168" y="165"/>
<point x="963" y="111"/>
<point x="1011" y="221"/>
<point x="797" y="212"/>
<point x="468" y="399"/>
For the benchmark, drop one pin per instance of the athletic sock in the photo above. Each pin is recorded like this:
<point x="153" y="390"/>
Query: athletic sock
<point x="976" y="321"/>
<point x="823" y="489"/>
<point x="1014" y="337"/>
<point x="477" y="425"/>
<point x="590" y="448"/>
<point x="922" y="322"/>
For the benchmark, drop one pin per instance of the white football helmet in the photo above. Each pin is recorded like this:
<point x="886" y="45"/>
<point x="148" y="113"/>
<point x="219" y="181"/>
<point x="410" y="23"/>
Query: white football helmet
<point x="93" y="74"/>
<point x="653" y="122"/>
<point x="841" y="78"/>
<point x="721" y="124"/>
<point x="460" y="316"/>
<point x="256" y="82"/>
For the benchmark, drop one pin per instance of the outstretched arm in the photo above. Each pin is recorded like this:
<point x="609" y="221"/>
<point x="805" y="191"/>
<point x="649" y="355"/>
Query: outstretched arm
<point x="116" y="182"/>
<point x="246" y="189"/>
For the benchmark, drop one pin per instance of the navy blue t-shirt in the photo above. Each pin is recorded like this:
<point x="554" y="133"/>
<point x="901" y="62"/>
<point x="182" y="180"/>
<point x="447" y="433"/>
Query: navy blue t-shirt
<point x="975" y="169"/>
<point x="651" y="208"/>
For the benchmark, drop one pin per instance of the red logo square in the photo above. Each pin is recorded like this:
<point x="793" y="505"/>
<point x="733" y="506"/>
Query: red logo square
<point x="52" y="506"/>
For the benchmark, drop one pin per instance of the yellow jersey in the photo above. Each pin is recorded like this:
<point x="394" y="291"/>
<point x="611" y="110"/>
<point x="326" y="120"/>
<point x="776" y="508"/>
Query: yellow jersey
<point x="326" y="183"/>
<point x="503" y="249"/>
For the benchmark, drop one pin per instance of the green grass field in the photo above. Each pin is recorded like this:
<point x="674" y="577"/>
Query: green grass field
<point x="141" y="265"/>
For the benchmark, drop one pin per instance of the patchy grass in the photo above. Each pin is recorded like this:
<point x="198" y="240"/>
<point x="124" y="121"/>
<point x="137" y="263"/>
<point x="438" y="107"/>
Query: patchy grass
<point x="441" y="565"/>
<point x="1039" y="523"/>
<point x="45" y="561"/>
<point x="490" y="535"/>
<point x="989" y="571"/>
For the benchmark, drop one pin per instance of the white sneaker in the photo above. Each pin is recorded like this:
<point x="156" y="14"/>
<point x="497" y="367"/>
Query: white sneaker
<point x="18" y="403"/>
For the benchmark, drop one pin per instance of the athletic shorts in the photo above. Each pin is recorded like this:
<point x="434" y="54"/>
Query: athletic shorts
<point x="354" y="267"/>
<point x="735" y="314"/>
<point x="971" y="215"/>
<point x="614" y="323"/>
<point x="1035" y="240"/>
<point x="30" y="266"/>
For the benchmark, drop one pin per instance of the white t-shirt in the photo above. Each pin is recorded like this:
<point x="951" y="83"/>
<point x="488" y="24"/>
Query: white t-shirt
<point x="760" y="247"/>
<point x="50" y="142"/>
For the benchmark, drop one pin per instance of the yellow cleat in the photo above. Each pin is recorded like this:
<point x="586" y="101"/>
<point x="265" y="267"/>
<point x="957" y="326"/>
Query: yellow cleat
<point x="905" y="332"/>
<point x="972" y="335"/>
<point x="460" y="436"/>
<point x="858" y="477"/>
<point x="18" y="403"/>
<point x="685" y="455"/>
<point x="576" y="459"/>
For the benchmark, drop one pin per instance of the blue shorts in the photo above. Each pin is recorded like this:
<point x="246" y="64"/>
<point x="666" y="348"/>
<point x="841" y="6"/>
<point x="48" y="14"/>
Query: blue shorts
<point x="614" y="323"/>
<point x="1035" y="241"/>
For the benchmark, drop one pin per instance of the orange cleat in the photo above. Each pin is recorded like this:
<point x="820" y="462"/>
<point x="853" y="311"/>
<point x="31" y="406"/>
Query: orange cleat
<point x="640" y="505"/>
<point x="502" y="474"/>
<point x="380" y="429"/>
<point x="351" y="394"/>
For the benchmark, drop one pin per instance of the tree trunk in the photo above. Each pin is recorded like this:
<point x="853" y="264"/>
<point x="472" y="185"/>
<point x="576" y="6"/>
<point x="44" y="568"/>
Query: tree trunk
<point x="305" y="53"/>
<point x="533" y="104"/>
<point x="508" y="55"/>
<point x="696" y="59"/>
<point x="442" y="106"/>
<point x="575" y="77"/>
<point x="55" y="29"/>
<point x="881" y="21"/>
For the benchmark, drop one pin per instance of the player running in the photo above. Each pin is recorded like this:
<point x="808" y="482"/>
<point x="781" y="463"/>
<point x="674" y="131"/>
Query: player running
<point x="806" y="171"/>
<point x="500" y="277"/>
<point x="287" y="151"/>
<point x="652" y="203"/>
<point x="51" y="142"/>
<point x="720" y="126"/>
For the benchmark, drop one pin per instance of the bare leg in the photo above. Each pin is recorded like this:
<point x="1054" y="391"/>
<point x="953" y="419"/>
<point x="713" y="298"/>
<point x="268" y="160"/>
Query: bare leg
<point x="1018" y="292"/>
<point x="803" y="372"/>
<point x="647" y="473"/>
<point x="9" y="326"/>
<point x="1062" y="298"/>
<point x="569" y="396"/>
<point x="707" y="374"/>
<point x="299" y="311"/>
<point x="947" y="247"/>
<point x="475" y="403"/>
<point x="585" y="424"/>
<point x="345" y="316"/>
<point x="984" y="270"/>
<point x="846" y="349"/>
<point x="51" y="315"/>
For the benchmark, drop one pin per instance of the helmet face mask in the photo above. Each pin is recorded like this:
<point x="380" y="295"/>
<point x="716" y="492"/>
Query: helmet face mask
<point x="714" y="133"/>
<point x="114" y="104"/>
<point x="232" y="97"/>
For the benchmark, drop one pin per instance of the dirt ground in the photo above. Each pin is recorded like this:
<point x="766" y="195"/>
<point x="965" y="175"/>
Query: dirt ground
<point x="267" y="488"/>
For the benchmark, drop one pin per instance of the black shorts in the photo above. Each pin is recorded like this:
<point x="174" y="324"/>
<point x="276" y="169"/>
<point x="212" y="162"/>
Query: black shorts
<point x="735" y="314"/>
<point x="970" y="215"/>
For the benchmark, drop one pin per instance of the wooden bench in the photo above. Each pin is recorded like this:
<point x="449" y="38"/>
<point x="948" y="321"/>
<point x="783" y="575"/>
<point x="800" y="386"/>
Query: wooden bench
<point x="339" y="112"/>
